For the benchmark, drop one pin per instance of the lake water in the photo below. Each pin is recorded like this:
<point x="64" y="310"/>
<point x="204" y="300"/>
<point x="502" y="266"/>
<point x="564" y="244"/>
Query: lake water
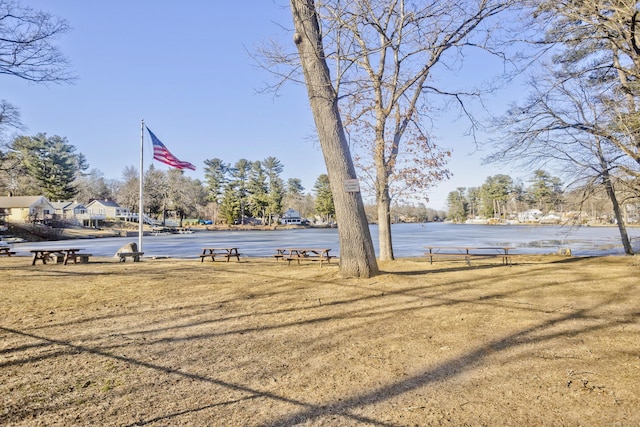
<point x="408" y="240"/>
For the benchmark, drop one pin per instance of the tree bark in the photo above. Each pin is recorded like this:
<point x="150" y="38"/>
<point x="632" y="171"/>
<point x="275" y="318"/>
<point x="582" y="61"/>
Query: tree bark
<point x="628" y="250"/>
<point x="357" y="256"/>
<point x="383" y="202"/>
<point x="606" y="179"/>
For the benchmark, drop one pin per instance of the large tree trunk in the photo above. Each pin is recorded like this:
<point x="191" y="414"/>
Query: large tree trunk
<point x="357" y="256"/>
<point x="628" y="249"/>
<point x="606" y="179"/>
<point x="383" y="197"/>
<point x="383" y="202"/>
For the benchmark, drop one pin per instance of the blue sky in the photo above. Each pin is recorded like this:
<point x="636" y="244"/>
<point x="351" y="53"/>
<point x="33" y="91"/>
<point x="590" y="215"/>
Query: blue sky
<point x="185" y="68"/>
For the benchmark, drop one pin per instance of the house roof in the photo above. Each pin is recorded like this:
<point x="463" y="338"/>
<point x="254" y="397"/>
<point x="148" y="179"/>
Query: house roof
<point x="291" y="213"/>
<point x="21" y="201"/>
<point x="106" y="203"/>
<point x="75" y="205"/>
<point x="60" y="205"/>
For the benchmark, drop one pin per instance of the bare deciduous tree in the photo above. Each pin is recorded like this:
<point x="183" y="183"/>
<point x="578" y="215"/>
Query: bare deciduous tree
<point x="384" y="56"/>
<point x="128" y="193"/>
<point x="27" y="50"/>
<point x="357" y="256"/>
<point x="563" y="126"/>
<point x="582" y="113"/>
<point x="599" y="45"/>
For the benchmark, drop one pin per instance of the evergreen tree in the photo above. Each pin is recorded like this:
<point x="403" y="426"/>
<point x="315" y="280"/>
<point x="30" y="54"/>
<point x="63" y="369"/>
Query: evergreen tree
<point x="239" y="182"/>
<point x="495" y="193"/>
<point x="546" y="190"/>
<point x="230" y="204"/>
<point x="52" y="162"/>
<point x="457" y="205"/>
<point x="324" y="197"/>
<point x="215" y="173"/>
<point x="273" y="169"/>
<point x="258" y="191"/>
<point x="294" y="187"/>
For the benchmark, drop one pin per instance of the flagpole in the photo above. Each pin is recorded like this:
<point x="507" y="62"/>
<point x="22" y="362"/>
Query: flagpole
<point x="141" y="204"/>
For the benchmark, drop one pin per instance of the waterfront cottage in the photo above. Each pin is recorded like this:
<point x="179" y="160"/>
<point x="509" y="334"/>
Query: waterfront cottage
<point x="291" y="217"/>
<point x="26" y="208"/>
<point x="107" y="210"/>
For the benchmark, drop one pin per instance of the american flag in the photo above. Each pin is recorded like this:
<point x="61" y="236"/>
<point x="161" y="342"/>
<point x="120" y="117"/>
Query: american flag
<point x="161" y="154"/>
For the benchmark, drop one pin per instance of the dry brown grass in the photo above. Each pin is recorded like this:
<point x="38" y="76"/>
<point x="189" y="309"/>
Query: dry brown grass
<point x="549" y="341"/>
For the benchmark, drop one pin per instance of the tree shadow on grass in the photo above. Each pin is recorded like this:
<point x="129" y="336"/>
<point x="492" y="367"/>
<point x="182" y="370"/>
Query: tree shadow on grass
<point x="447" y="369"/>
<point x="303" y="411"/>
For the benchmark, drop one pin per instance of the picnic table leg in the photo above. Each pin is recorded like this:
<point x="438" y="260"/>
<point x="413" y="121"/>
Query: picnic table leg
<point x="506" y="260"/>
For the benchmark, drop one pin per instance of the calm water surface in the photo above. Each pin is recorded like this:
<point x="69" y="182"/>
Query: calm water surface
<point x="408" y="240"/>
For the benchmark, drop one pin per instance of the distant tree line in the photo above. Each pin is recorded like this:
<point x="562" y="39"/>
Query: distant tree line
<point x="501" y="197"/>
<point x="245" y="192"/>
<point x="250" y="190"/>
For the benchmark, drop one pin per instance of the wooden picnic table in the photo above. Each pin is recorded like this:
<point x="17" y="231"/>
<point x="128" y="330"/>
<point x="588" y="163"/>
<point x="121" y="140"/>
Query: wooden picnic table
<point x="68" y="253"/>
<point x="224" y="252"/>
<point x="6" y="251"/>
<point x="469" y="252"/>
<point x="303" y="254"/>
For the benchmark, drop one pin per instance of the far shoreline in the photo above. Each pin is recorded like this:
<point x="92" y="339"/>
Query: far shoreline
<point x="122" y="230"/>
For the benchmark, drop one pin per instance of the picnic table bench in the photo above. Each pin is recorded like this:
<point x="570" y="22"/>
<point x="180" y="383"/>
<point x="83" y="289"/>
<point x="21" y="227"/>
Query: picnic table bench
<point x="134" y="255"/>
<point x="227" y="253"/>
<point x="76" y="257"/>
<point x="303" y="254"/>
<point x="6" y="251"/>
<point x="469" y="252"/>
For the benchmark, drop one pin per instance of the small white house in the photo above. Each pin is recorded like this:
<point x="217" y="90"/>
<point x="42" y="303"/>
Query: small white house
<point x="70" y="212"/>
<point x="61" y="209"/>
<point x="107" y="209"/>
<point x="291" y="217"/>
<point x="532" y="215"/>
<point x="76" y="210"/>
